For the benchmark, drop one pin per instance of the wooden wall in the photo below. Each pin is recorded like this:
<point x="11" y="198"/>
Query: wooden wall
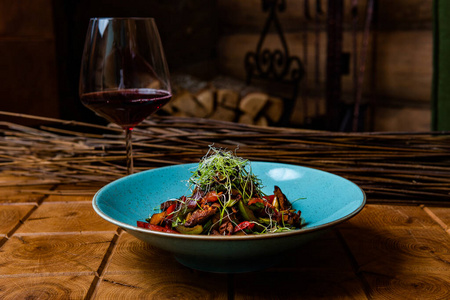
<point x="28" y="80"/>
<point x="399" y="62"/>
<point x="397" y="80"/>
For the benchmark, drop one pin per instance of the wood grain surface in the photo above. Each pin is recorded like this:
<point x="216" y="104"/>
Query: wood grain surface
<point x="59" y="248"/>
<point x="54" y="246"/>
<point x="45" y="287"/>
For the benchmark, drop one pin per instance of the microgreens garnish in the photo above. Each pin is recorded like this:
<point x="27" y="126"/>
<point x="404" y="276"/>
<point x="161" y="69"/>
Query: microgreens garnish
<point x="222" y="170"/>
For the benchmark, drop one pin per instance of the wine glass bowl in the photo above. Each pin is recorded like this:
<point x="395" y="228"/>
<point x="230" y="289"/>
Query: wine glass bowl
<point x="126" y="108"/>
<point x="124" y="75"/>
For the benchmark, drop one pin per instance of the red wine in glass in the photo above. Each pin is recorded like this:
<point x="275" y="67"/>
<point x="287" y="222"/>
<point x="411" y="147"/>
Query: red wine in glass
<point x="127" y="107"/>
<point x="124" y="76"/>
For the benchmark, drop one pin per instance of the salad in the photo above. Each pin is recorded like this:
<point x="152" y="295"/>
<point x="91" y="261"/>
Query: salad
<point x="226" y="199"/>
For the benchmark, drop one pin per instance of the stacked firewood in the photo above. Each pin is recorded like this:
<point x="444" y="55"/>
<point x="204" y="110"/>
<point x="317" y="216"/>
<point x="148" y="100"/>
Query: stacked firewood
<point x="223" y="99"/>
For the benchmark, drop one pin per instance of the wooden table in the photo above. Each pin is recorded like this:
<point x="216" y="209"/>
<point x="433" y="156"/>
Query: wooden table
<point x="54" y="246"/>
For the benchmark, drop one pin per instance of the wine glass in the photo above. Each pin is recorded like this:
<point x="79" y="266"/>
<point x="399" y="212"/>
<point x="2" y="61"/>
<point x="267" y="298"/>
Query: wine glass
<point x="124" y="75"/>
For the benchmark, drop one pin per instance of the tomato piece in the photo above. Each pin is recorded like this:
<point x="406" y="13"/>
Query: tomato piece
<point x="155" y="227"/>
<point x="142" y="224"/>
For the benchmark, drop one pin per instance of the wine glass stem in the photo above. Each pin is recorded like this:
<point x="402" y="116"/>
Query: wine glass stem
<point x="129" y="149"/>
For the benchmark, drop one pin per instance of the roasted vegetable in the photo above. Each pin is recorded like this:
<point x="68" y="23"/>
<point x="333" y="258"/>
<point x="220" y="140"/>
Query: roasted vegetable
<point x="226" y="199"/>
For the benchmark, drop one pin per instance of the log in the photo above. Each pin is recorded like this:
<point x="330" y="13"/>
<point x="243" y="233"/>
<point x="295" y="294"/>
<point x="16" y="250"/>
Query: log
<point x="206" y="99"/>
<point x="246" y="119"/>
<point x="186" y="104"/>
<point x="253" y="103"/>
<point x="274" y="109"/>
<point x="261" y="121"/>
<point x="224" y="114"/>
<point x="223" y="98"/>
<point x="227" y="98"/>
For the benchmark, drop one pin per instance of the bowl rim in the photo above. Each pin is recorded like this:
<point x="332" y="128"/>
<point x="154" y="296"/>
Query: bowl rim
<point x="277" y="235"/>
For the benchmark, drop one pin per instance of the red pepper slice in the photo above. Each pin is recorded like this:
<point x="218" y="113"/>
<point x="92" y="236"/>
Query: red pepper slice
<point x="255" y="200"/>
<point x="154" y="227"/>
<point x="142" y="224"/>
<point x="244" y="225"/>
<point x="269" y="198"/>
<point x="266" y="199"/>
<point x="170" y="210"/>
<point x="169" y="215"/>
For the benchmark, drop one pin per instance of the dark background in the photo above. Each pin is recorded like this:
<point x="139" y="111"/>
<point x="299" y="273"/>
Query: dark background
<point x="189" y="42"/>
<point x="41" y="44"/>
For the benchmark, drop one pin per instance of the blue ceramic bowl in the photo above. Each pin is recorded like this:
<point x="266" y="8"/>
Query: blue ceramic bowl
<point x="329" y="200"/>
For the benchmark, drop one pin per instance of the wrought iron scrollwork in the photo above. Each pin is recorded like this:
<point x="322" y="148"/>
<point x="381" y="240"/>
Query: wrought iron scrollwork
<point x="277" y="64"/>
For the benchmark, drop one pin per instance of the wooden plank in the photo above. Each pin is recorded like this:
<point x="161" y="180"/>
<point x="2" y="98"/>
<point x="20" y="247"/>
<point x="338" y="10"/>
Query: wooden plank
<point x="398" y="250"/>
<point x="89" y="186"/>
<point x="321" y="270"/>
<point x="324" y="253"/>
<point x="440" y="215"/>
<point x="78" y="192"/>
<point x="46" y="287"/>
<point x="53" y="193"/>
<point x="10" y="196"/>
<point x="11" y="216"/>
<point x="70" y="196"/>
<point x="314" y="284"/>
<point x="409" y="286"/>
<point x="132" y="255"/>
<point x="164" y="284"/>
<point x="392" y="217"/>
<point x="12" y="188"/>
<point x="137" y="269"/>
<point x="73" y="254"/>
<point x="75" y="217"/>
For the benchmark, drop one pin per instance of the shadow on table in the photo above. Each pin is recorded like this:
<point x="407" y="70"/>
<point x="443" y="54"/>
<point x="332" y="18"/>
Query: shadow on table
<point x="328" y="267"/>
<point x="333" y="266"/>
